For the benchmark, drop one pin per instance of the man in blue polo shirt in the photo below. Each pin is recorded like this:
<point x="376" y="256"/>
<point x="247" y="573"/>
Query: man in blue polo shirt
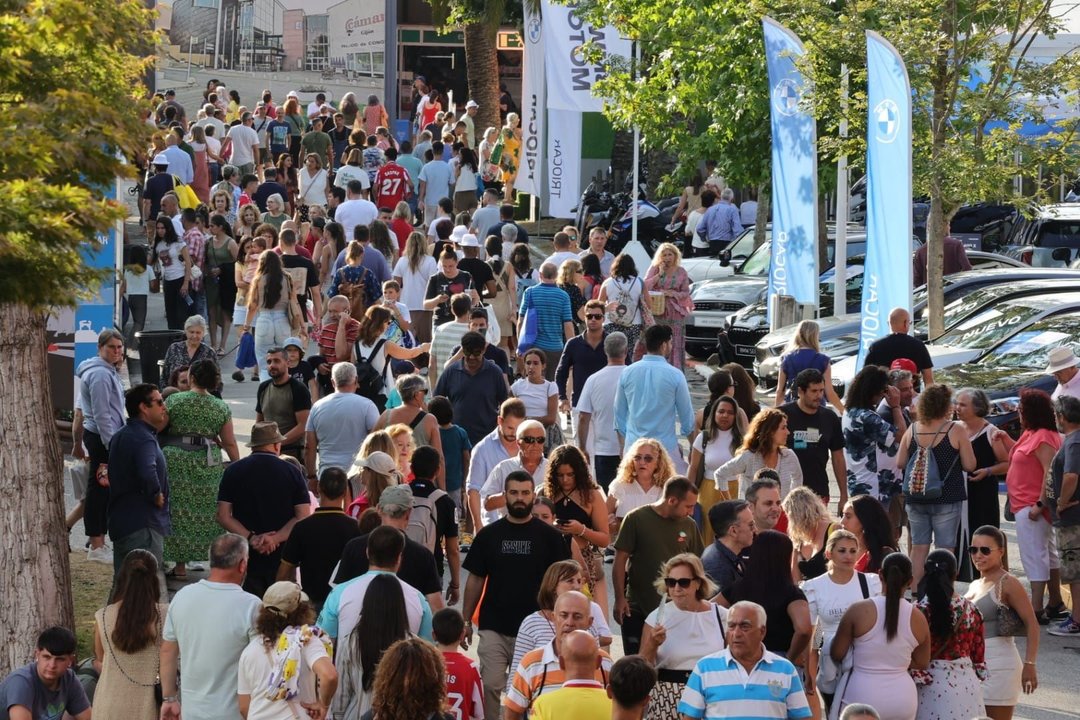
<point x="554" y="325"/>
<point x="744" y="679"/>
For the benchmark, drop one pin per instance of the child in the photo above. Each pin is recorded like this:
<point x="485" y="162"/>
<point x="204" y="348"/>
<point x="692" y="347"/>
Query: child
<point x="300" y="368"/>
<point x="464" y="688"/>
<point x="399" y="329"/>
<point x="456" y="447"/>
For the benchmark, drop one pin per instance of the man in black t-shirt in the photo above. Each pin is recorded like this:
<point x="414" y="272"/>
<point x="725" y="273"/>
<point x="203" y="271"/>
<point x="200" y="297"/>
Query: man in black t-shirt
<point x="424" y="463"/>
<point x="261" y="498"/>
<point x="316" y="542"/>
<point x="284" y="401"/>
<point x="506" y="217"/>
<point x="511" y="555"/>
<point x="900" y="344"/>
<point x="160" y="183"/>
<point x="815" y="435"/>
<point x="482" y="276"/>
<point x="443" y="285"/>
<point x="417" y="562"/>
<point x="301" y="272"/>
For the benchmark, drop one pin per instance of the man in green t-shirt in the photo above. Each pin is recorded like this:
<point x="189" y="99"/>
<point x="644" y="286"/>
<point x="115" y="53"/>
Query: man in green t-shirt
<point x="650" y="536"/>
<point x="318" y="142"/>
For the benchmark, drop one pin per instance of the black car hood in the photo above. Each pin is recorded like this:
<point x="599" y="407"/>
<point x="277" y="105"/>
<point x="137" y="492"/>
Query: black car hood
<point x="997" y="382"/>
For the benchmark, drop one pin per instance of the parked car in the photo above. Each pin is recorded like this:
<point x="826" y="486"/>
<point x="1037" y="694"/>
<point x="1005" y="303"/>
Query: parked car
<point x="841" y="334"/>
<point x="1033" y="317"/>
<point x="716" y="300"/>
<point x="1049" y="239"/>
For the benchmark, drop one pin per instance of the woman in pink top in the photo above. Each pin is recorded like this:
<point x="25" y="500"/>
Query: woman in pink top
<point x="1029" y="462"/>
<point x="374" y="115"/>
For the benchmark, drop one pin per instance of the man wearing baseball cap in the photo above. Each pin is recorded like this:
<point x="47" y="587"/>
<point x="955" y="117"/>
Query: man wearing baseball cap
<point x="417" y="566"/>
<point x="261" y="498"/>
<point x="1063" y="366"/>
<point x="470" y="129"/>
<point x="160" y="182"/>
<point x="483" y="277"/>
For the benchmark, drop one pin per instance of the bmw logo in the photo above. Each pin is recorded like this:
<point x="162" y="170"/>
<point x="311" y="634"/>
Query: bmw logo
<point x="786" y="96"/>
<point x="534" y="30"/>
<point x="886" y="121"/>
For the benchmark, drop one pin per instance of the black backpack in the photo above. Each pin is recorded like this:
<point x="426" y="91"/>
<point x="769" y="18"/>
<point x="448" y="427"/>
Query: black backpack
<point x="369" y="381"/>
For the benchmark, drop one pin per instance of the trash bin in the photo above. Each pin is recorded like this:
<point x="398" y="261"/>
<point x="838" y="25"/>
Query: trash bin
<point x="152" y="347"/>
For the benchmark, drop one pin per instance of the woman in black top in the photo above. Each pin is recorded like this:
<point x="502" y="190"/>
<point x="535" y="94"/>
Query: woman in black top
<point x="809" y="525"/>
<point x="767" y="581"/>
<point x="991" y="447"/>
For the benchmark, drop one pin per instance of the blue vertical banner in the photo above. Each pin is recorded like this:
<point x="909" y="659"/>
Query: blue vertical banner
<point x="887" y="272"/>
<point x="793" y="269"/>
<point x="100" y="311"/>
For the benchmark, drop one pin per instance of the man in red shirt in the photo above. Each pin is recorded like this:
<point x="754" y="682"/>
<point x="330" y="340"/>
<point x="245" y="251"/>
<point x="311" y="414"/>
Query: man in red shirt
<point x="336" y="322"/>
<point x="392" y="184"/>
<point x="464" y="688"/>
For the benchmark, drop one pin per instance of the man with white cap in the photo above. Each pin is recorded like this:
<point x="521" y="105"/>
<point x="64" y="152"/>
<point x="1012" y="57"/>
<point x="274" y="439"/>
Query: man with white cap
<point x="470" y="129"/>
<point x="160" y="183"/>
<point x="483" y="277"/>
<point x="1063" y="366"/>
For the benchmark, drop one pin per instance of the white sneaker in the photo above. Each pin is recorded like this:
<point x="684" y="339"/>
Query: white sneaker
<point x="102" y="555"/>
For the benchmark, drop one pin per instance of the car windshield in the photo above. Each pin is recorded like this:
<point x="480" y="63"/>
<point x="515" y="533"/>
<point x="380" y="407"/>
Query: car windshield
<point x="758" y="262"/>
<point x="992" y="325"/>
<point x="1031" y="347"/>
<point x="968" y="302"/>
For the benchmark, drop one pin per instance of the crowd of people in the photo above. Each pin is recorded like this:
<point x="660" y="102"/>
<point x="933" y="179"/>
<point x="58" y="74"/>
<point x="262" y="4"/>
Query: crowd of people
<point x="412" y="489"/>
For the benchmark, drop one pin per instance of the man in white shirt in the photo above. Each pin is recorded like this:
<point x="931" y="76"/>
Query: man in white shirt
<point x="1063" y="366"/>
<point x="563" y="251"/>
<point x="244" y="142"/>
<point x="597" y="243"/>
<point x="596" y="412"/>
<point x="530" y="458"/>
<point x="470" y="128"/>
<point x="207" y="626"/>
<point x="179" y="161"/>
<point x="355" y="210"/>
<point x="314" y="108"/>
<point x="219" y="127"/>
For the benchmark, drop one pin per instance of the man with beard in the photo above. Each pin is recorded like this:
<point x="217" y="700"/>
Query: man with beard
<point x="764" y="498"/>
<point x="511" y="555"/>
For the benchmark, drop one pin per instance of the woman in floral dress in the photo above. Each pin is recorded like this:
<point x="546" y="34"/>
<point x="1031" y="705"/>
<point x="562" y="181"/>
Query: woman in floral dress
<point x="952" y="686"/>
<point x="665" y="275"/>
<point x="200" y="426"/>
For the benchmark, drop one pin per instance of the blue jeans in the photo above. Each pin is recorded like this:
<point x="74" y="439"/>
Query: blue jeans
<point x="271" y="329"/>
<point x="941" y="520"/>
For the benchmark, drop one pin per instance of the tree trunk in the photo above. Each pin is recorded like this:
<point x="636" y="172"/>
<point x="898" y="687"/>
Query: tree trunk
<point x="762" y="217"/>
<point x="483" y="75"/>
<point x="622" y="158"/>
<point x="935" y="227"/>
<point x="33" y="546"/>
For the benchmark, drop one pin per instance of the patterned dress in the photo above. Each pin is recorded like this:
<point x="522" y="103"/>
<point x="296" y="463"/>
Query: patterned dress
<point x="193" y="481"/>
<point x="868" y="442"/>
<point x="951" y="687"/>
<point x="676" y="286"/>
<point x="178" y="356"/>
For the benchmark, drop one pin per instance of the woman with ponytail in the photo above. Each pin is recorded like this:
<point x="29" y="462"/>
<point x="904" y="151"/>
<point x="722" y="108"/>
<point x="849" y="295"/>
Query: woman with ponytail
<point x="127" y="639"/>
<point x="887" y="637"/>
<point x="951" y="687"/>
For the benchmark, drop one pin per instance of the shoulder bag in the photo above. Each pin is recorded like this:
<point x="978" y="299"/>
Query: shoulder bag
<point x="1009" y="622"/>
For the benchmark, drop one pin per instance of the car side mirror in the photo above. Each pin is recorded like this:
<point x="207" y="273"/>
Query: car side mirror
<point x="1061" y="254"/>
<point x="725" y="258"/>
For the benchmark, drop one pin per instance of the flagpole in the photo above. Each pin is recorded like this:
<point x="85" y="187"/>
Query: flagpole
<point x="637" y="154"/>
<point x="840" y="253"/>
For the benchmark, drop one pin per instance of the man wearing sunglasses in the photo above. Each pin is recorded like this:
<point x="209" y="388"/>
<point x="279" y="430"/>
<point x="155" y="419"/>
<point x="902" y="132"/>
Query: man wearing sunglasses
<point x="138" y="481"/>
<point x="584" y="354"/>
<point x="531" y="437"/>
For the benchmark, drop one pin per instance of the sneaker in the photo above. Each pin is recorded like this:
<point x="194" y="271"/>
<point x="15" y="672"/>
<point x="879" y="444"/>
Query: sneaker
<point x="238" y="376"/>
<point x="1066" y="628"/>
<point x="101" y="554"/>
<point x="1057" y="612"/>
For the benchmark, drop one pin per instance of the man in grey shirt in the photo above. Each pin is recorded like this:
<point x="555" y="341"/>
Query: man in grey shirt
<point x="337" y="424"/>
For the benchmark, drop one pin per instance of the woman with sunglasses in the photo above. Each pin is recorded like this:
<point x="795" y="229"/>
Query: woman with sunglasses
<point x="644" y="469"/>
<point x="683" y="629"/>
<point x="996" y="594"/>
<point x="541" y="396"/>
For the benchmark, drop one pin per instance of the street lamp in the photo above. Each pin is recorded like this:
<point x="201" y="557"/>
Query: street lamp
<point x="191" y="43"/>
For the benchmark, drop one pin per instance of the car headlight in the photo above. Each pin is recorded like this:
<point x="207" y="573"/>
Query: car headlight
<point x="777" y="349"/>
<point x="1004" y="406"/>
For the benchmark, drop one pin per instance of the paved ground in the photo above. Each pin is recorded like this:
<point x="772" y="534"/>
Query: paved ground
<point x="1058" y="657"/>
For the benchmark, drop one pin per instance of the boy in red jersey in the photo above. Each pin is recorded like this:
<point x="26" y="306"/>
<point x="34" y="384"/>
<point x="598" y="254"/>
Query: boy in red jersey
<point x="464" y="688"/>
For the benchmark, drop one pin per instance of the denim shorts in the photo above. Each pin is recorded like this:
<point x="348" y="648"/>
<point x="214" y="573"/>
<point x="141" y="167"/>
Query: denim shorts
<point x="940" y="520"/>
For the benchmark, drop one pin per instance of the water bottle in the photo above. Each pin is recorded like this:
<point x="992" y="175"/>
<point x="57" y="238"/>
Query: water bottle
<point x="189" y="300"/>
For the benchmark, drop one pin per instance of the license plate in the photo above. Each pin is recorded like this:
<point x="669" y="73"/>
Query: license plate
<point x="746" y="350"/>
<point x="705" y="321"/>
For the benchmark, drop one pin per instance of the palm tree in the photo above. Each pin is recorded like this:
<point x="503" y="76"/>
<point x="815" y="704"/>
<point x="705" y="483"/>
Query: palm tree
<point x="480" y="21"/>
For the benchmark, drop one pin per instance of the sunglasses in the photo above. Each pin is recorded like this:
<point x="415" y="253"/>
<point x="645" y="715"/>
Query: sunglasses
<point x="528" y="440"/>
<point x="644" y="458"/>
<point x="681" y="582"/>
<point x="983" y="550"/>
<point x="594" y="316"/>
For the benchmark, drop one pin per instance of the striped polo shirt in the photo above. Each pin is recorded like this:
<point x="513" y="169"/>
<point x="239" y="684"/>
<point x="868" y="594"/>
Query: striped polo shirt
<point x="539" y="673"/>
<point x="720" y="688"/>
<point x="552" y="306"/>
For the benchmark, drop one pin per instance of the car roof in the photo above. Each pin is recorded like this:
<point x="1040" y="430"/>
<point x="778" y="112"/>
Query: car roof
<point x="1060" y="211"/>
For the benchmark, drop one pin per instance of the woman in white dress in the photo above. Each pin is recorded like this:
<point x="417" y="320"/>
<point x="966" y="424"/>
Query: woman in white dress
<point x="314" y="182"/>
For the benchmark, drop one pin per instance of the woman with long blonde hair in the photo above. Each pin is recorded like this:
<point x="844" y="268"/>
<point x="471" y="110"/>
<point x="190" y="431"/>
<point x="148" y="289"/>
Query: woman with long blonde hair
<point x="412" y="271"/>
<point x="571" y="280"/>
<point x="803" y="351"/>
<point x="809" y="527"/>
<point x="644" y="469"/>
<point x="667" y="279"/>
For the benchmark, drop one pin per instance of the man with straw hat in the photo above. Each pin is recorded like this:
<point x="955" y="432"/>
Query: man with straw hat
<point x="1063" y="367"/>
